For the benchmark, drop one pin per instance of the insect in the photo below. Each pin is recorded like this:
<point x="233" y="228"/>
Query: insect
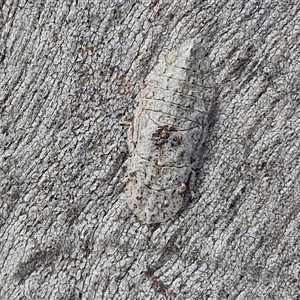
<point x="167" y="132"/>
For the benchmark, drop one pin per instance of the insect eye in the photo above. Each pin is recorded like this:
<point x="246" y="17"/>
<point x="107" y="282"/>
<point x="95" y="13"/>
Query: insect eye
<point x="132" y="174"/>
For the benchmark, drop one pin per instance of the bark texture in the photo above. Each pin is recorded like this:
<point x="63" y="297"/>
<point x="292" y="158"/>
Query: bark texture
<point x="69" y="70"/>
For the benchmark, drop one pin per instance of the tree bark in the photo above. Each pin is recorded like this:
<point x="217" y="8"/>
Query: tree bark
<point x="70" y="70"/>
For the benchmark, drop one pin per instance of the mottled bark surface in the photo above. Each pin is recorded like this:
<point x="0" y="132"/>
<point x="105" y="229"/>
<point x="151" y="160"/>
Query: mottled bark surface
<point x="69" y="70"/>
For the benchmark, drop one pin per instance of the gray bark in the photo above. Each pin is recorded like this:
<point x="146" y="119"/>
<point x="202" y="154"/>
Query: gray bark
<point x="69" y="71"/>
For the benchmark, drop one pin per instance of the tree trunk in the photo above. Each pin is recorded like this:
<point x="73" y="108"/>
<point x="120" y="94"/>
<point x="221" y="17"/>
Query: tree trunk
<point x="70" y="70"/>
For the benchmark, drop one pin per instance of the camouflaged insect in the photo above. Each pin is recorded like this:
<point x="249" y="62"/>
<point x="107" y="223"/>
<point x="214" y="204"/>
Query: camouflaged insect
<point x="168" y="128"/>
